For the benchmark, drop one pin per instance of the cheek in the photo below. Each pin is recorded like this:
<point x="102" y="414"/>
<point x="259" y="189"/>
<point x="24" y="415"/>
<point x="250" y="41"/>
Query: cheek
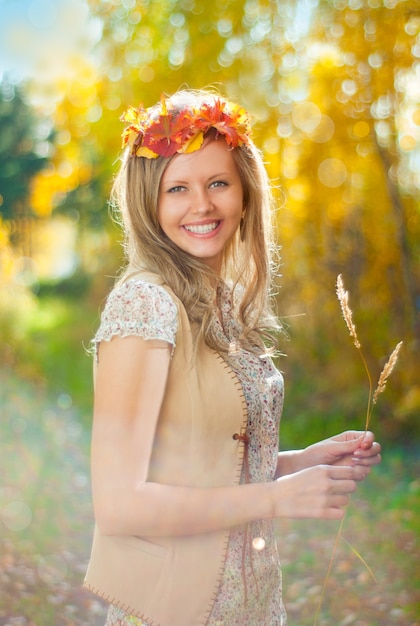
<point x="168" y="217"/>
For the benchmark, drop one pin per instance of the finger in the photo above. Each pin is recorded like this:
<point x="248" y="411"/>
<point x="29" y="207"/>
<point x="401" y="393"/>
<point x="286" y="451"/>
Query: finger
<point x="344" y="487"/>
<point x="372" y="451"/>
<point x="361" y="472"/>
<point x="334" y="513"/>
<point x="368" y="461"/>
<point x="340" y="472"/>
<point x="349" y="436"/>
<point x="340" y="500"/>
<point x="354" y="434"/>
<point x="336" y="504"/>
<point x="341" y="479"/>
<point x="368" y="440"/>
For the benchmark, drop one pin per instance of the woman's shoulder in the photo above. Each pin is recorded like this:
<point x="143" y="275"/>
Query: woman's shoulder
<point x="136" y="306"/>
<point x="141" y="288"/>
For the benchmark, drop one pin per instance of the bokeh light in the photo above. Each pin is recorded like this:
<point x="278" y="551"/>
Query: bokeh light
<point x="16" y="515"/>
<point x="306" y="116"/>
<point x="52" y="569"/>
<point x="332" y="172"/>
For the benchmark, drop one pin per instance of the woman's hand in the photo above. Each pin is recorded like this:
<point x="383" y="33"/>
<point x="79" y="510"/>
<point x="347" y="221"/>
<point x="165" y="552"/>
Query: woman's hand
<point x="322" y="476"/>
<point x="352" y="448"/>
<point x="320" y="492"/>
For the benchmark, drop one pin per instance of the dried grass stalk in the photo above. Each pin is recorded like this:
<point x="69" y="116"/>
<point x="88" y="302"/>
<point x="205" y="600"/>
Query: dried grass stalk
<point x="389" y="366"/>
<point x="343" y="297"/>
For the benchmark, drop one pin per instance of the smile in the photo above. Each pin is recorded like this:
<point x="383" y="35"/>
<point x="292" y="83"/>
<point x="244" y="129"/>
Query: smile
<point x="202" y="229"/>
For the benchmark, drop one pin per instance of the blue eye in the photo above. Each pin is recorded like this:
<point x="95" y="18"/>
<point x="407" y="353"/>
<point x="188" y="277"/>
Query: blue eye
<point x="219" y="183"/>
<point x="176" y="189"/>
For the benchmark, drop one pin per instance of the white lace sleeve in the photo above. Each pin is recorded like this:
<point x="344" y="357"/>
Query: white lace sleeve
<point x="138" y="308"/>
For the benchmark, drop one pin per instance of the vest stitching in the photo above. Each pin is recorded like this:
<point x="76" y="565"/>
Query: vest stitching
<point x="237" y="477"/>
<point x="243" y="438"/>
<point x="121" y="605"/>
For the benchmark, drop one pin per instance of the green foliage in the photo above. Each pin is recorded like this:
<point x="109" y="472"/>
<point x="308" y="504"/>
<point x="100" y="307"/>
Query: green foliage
<point x="337" y="120"/>
<point x="20" y="145"/>
<point x="50" y="346"/>
<point x="336" y="116"/>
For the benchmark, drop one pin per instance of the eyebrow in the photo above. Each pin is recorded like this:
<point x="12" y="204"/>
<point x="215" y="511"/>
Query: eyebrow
<point x="180" y="181"/>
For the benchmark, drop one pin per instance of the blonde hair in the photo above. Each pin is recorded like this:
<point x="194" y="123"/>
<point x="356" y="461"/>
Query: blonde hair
<point x="248" y="259"/>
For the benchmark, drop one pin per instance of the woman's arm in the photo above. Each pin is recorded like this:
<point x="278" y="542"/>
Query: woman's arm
<point x="130" y="384"/>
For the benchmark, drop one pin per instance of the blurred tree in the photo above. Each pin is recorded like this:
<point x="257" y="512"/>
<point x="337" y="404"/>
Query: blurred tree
<point x="332" y="88"/>
<point x="71" y="179"/>
<point x="24" y="146"/>
<point x="378" y="58"/>
<point x="350" y="167"/>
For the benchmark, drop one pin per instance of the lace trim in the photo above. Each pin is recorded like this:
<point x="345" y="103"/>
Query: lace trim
<point x="141" y="309"/>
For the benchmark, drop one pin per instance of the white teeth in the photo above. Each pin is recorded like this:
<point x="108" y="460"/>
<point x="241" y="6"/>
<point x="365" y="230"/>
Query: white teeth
<point x="201" y="229"/>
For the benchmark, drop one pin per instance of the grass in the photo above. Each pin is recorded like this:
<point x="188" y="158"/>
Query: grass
<point x="46" y="524"/>
<point x="383" y="526"/>
<point x="45" y="510"/>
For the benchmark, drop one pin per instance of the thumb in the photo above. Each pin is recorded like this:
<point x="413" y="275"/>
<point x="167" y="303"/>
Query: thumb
<point x="349" y="445"/>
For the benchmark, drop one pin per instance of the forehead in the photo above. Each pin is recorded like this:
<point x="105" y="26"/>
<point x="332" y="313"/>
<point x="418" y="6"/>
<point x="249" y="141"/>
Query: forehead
<point x="213" y="157"/>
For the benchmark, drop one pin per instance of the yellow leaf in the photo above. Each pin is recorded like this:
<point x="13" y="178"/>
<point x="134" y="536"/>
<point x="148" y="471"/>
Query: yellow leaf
<point x="193" y="144"/>
<point x="145" y="152"/>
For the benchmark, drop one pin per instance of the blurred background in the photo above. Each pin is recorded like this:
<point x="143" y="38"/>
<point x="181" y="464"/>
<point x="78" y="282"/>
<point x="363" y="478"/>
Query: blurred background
<point x="334" y="90"/>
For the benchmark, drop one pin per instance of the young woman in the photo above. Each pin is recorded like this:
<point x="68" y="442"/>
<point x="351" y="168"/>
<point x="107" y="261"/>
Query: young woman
<point x="186" y="472"/>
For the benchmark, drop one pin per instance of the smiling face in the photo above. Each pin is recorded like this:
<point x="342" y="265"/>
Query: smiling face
<point x="201" y="202"/>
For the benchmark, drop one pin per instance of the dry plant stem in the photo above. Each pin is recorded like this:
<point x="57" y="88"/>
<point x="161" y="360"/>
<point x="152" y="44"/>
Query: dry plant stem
<point x="330" y="564"/>
<point x="359" y="556"/>
<point x="343" y="298"/>
<point x="384" y="375"/>
<point x="369" y="401"/>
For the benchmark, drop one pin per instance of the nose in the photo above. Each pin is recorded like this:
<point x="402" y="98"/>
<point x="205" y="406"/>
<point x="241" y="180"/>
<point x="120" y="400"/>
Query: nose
<point x="202" y="203"/>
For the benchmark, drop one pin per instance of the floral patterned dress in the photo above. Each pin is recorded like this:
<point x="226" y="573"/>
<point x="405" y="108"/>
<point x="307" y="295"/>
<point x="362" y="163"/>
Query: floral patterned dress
<point x="250" y="592"/>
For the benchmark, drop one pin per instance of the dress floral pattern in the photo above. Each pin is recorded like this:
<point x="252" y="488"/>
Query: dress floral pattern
<point x="138" y="308"/>
<point x="250" y="591"/>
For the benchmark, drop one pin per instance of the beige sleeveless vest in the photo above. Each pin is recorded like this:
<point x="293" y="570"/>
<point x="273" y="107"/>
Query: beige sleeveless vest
<point x="173" y="581"/>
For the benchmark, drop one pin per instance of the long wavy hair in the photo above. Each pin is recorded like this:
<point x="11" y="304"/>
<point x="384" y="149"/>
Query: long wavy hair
<point x="248" y="260"/>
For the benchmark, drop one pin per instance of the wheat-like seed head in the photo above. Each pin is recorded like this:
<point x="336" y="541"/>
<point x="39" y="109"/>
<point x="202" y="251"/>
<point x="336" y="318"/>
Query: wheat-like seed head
<point x="343" y="298"/>
<point x="389" y="366"/>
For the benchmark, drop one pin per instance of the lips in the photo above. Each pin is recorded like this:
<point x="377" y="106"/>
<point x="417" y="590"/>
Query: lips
<point x="201" y="229"/>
